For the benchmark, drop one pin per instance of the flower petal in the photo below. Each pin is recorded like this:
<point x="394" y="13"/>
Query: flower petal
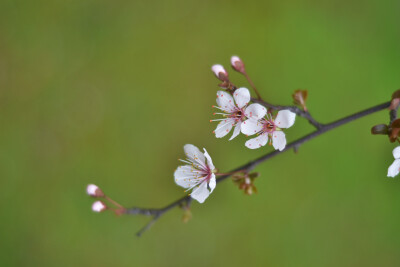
<point x="255" y="111"/>
<point x="236" y="131"/>
<point x="201" y="192"/>
<point x="186" y="176"/>
<point x="251" y="126"/>
<point x="225" y="101"/>
<point x="194" y="154"/>
<point x="394" y="168"/>
<point x="212" y="183"/>
<point x="285" y="119"/>
<point x="278" y="140"/>
<point x="257" y="142"/>
<point x="242" y="97"/>
<point x="396" y="152"/>
<point x="209" y="160"/>
<point x="224" y="127"/>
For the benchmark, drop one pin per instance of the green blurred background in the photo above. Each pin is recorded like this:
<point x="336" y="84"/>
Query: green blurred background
<point x="108" y="92"/>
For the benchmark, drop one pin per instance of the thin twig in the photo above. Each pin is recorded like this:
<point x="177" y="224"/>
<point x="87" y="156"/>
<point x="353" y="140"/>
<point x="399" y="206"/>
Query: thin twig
<point x="294" y="109"/>
<point x="157" y="213"/>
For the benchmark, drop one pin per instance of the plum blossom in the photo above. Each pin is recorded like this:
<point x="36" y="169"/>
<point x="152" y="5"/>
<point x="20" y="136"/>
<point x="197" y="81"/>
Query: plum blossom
<point x="268" y="129"/>
<point x="395" y="167"/>
<point x="234" y="111"/>
<point x="197" y="174"/>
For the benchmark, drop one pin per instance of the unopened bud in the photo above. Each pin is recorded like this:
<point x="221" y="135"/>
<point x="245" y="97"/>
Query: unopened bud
<point x="220" y="72"/>
<point x="94" y="191"/>
<point x="380" y="129"/>
<point x="237" y="64"/>
<point x="99" y="206"/>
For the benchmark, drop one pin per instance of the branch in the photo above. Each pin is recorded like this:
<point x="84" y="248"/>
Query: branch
<point x="294" y="109"/>
<point x="321" y="128"/>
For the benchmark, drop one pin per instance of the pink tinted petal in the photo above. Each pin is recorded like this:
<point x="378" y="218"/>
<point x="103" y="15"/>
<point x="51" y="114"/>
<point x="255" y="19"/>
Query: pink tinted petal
<point x="278" y="140"/>
<point x="224" y="127"/>
<point x="251" y="126"/>
<point x="242" y="97"/>
<point x="285" y="119"/>
<point x="225" y="101"/>
<point x="236" y="131"/>
<point x="255" y="111"/>
<point x="257" y="142"/>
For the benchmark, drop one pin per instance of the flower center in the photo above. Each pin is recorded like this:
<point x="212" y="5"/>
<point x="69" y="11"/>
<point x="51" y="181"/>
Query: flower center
<point x="237" y="115"/>
<point x="268" y="126"/>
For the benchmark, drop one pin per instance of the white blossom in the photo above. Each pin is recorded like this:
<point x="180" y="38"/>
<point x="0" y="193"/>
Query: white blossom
<point x="197" y="174"/>
<point x="268" y="129"/>
<point x="234" y="111"/>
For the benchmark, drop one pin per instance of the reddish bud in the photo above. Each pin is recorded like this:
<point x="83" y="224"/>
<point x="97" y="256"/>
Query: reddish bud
<point x="99" y="206"/>
<point x="220" y="72"/>
<point x="94" y="191"/>
<point x="237" y="64"/>
<point x="395" y="100"/>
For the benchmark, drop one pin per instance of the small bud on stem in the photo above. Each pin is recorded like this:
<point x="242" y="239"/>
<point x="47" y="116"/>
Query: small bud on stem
<point x="220" y="73"/>
<point x="99" y="206"/>
<point x="94" y="191"/>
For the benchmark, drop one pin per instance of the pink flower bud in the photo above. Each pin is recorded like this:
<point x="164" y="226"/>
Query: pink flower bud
<point x="220" y="72"/>
<point x="237" y="64"/>
<point x="99" y="206"/>
<point x="94" y="191"/>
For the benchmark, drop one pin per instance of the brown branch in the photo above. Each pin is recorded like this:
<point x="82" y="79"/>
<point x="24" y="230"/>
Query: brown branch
<point x="321" y="129"/>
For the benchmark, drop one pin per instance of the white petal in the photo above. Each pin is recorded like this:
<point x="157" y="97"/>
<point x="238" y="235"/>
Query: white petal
<point x="251" y="126"/>
<point x="209" y="160"/>
<point x="186" y="176"/>
<point x="236" y="131"/>
<point x="285" y="119"/>
<point x="201" y="192"/>
<point x="242" y="97"/>
<point x="194" y="154"/>
<point x="394" y="168"/>
<point x="278" y="140"/>
<point x="224" y="127"/>
<point x="225" y="101"/>
<point x="255" y="111"/>
<point x="212" y="183"/>
<point x="257" y="142"/>
<point x="396" y="152"/>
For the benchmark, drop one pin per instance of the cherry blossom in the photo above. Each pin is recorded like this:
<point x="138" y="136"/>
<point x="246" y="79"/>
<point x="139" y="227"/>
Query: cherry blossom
<point x="268" y="129"/>
<point x="197" y="174"/>
<point x="234" y="111"/>
<point x="395" y="167"/>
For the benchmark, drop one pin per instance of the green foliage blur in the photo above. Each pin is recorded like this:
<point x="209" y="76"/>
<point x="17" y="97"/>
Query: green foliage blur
<point x="108" y="92"/>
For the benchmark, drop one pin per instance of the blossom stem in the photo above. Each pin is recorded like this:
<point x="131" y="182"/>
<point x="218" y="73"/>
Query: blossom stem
<point x="252" y="85"/>
<point x="114" y="202"/>
<point x="321" y="129"/>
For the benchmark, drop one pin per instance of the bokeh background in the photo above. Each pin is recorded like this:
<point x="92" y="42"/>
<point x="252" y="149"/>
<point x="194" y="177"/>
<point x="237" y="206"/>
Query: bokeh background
<point x="108" y="92"/>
